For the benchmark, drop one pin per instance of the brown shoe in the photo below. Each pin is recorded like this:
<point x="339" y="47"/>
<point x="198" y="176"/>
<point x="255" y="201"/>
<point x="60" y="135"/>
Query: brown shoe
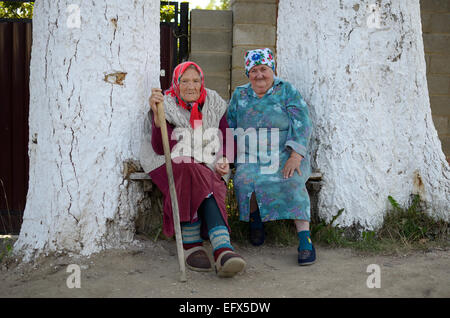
<point x="229" y="264"/>
<point x="197" y="259"/>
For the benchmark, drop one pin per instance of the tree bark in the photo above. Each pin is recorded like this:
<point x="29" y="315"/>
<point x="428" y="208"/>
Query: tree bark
<point x="360" y="66"/>
<point x="90" y="77"/>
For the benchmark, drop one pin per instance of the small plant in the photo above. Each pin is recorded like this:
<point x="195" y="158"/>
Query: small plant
<point x="5" y="229"/>
<point x="327" y="233"/>
<point x="411" y="225"/>
<point x="6" y="248"/>
<point x="369" y="242"/>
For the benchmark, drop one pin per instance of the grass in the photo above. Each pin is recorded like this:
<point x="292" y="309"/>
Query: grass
<point x="403" y="229"/>
<point x="6" y="246"/>
<point x="6" y="229"/>
<point x="412" y="227"/>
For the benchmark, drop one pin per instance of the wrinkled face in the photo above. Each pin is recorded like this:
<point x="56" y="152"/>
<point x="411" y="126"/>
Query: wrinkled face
<point x="190" y="85"/>
<point x="261" y="78"/>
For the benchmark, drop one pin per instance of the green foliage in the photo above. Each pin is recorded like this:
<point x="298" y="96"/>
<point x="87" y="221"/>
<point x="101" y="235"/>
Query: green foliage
<point x="6" y="248"/>
<point x="394" y="203"/>
<point x="403" y="228"/>
<point x="225" y="5"/>
<point x="411" y="224"/>
<point x="167" y="13"/>
<point x="217" y="5"/>
<point x="327" y="233"/>
<point x="5" y="221"/>
<point x="211" y="5"/>
<point x="16" y="10"/>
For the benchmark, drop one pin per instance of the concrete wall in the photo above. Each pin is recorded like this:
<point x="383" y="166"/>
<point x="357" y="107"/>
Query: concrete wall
<point x="254" y="26"/>
<point x="436" y="38"/>
<point x="211" y="39"/>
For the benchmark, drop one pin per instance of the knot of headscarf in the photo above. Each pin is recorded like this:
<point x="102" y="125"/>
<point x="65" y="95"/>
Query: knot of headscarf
<point x="174" y="91"/>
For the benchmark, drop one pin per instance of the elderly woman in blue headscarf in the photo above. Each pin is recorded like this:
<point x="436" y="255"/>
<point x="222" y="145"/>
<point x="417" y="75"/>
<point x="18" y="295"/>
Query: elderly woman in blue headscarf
<point x="270" y="176"/>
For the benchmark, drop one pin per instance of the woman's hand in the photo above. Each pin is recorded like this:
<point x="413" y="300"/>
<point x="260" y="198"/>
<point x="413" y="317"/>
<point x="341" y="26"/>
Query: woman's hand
<point x="292" y="165"/>
<point x="156" y="97"/>
<point x="222" y="166"/>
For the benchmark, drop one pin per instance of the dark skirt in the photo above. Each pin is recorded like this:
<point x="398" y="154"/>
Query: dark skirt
<point x="193" y="183"/>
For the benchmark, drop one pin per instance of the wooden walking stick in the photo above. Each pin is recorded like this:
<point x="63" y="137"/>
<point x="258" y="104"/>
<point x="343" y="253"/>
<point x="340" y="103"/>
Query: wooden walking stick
<point x="173" y="193"/>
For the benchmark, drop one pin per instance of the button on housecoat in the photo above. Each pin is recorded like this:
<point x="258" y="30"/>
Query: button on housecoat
<point x="281" y="111"/>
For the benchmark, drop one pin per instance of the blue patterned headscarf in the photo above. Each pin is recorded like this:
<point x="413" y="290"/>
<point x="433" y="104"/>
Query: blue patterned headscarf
<point x="258" y="57"/>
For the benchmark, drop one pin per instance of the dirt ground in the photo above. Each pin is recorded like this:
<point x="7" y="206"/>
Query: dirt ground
<point x="150" y="269"/>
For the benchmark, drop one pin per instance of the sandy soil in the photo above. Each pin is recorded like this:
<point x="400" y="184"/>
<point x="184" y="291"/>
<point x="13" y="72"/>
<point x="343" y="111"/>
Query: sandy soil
<point x="150" y="269"/>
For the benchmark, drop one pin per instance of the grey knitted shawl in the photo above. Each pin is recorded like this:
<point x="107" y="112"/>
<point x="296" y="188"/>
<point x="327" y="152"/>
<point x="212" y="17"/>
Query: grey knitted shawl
<point x="213" y="110"/>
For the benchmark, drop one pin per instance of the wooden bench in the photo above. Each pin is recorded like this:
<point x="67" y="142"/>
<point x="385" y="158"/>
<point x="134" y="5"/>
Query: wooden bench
<point x="314" y="180"/>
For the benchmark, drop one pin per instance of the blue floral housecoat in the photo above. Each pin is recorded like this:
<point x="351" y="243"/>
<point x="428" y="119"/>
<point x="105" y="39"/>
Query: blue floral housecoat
<point x="282" y="107"/>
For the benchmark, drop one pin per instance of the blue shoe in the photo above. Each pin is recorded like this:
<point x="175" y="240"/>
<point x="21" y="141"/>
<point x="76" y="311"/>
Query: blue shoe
<point x="257" y="234"/>
<point x="307" y="257"/>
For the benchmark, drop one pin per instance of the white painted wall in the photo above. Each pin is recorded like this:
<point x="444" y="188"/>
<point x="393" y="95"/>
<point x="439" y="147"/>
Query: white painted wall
<point x="83" y="126"/>
<point x="361" y="68"/>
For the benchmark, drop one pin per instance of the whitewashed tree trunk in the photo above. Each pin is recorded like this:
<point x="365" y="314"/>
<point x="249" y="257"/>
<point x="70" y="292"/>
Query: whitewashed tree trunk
<point x="84" y="122"/>
<point x="360" y="66"/>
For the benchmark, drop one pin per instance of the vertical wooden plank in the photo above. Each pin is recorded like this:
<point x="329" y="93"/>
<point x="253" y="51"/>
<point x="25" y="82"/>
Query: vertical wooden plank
<point x="15" y="53"/>
<point x="16" y="111"/>
<point x="19" y="117"/>
<point x="166" y="54"/>
<point x="176" y="56"/>
<point x="184" y="30"/>
<point x="5" y="124"/>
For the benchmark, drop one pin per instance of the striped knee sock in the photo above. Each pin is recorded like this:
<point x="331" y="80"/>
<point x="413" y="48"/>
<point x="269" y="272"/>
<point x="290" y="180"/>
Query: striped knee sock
<point x="220" y="240"/>
<point x="190" y="233"/>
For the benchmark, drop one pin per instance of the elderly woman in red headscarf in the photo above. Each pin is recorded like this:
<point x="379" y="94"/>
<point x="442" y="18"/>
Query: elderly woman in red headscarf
<point x="192" y="112"/>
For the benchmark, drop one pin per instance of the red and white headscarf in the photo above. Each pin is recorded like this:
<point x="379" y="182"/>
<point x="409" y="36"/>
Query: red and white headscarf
<point x="174" y="91"/>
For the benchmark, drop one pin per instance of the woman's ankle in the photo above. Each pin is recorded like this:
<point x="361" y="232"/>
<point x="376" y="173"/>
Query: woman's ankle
<point x="187" y="246"/>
